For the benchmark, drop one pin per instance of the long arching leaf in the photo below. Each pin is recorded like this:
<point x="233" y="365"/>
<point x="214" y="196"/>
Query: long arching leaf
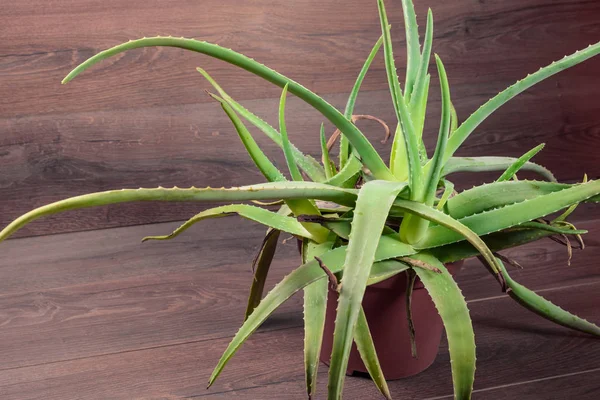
<point x="545" y="308"/>
<point x="265" y="191"/>
<point x="471" y="123"/>
<point x="287" y="148"/>
<point x="269" y="218"/>
<point x="369" y="155"/>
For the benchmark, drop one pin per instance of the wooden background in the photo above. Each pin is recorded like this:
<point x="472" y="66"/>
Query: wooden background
<point x="142" y="119"/>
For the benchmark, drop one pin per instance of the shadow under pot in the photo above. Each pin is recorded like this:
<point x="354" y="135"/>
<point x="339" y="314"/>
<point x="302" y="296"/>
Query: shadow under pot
<point x="385" y="308"/>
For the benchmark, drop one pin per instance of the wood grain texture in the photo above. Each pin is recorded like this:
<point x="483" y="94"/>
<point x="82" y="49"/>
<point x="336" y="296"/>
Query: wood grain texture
<point x="141" y="119"/>
<point x="98" y="315"/>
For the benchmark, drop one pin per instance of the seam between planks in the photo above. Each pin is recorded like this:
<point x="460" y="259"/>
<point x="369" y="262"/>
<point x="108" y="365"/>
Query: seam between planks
<point x="547" y="378"/>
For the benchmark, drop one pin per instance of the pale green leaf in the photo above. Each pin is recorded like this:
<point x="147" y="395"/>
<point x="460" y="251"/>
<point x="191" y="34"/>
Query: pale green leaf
<point x="372" y="207"/>
<point x="265" y="191"/>
<point x="413" y="47"/>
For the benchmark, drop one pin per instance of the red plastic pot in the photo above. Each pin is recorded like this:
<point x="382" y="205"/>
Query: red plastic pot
<point x="385" y="307"/>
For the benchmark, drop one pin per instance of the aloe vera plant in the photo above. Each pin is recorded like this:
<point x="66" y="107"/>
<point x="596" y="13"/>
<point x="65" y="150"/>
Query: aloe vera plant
<point x="363" y="220"/>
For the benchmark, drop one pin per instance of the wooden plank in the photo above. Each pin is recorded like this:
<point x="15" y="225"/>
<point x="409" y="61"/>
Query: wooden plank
<point x="132" y="121"/>
<point x="473" y="36"/>
<point x="512" y="346"/>
<point x="583" y="385"/>
<point x="100" y="284"/>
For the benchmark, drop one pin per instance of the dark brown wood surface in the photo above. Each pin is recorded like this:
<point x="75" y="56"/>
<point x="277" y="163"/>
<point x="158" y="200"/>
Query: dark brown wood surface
<point x="98" y="315"/>
<point x="142" y="119"/>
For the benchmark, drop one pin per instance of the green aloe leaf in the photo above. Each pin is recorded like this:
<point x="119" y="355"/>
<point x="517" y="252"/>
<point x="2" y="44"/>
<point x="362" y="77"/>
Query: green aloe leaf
<point x="368" y="353"/>
<point x="315" y="307"/>
<point x="550" y="228"/>
<point x="483" y="164"/>
<point x="308" y="164"/>
<point x="498" y="194"/>
<point x="265" y="191"/>
<point x="262" y="162"/>
<point x="413" y="47"/>
<point x="413" y="228"/>
<point x="388" y="248"/>
<point x="372" y="207"/>
<point x="358" y="140"/>
<point x="329" y="172"/>
<point x="517" y="165"/>
<point x="420" y="118"/>
<point x="298" y="206"/>
<point x="452" y="307"/>
<point x="287" y="149"/>
<point x="570" y="209"/>
<point x="315" y="304"/>
<point x="385" y="270"/>
<point x="418" y="99"/>
<point x="435" y="172"/>
<point x="545" y="308"/>
<point x="349" y="110"/>
<point x="405" y="155"/>
<point x="448" y="190"/>
<point x="471" y="123"/>
<point x="269" y="218"/>
<point x="513" y="214"/>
